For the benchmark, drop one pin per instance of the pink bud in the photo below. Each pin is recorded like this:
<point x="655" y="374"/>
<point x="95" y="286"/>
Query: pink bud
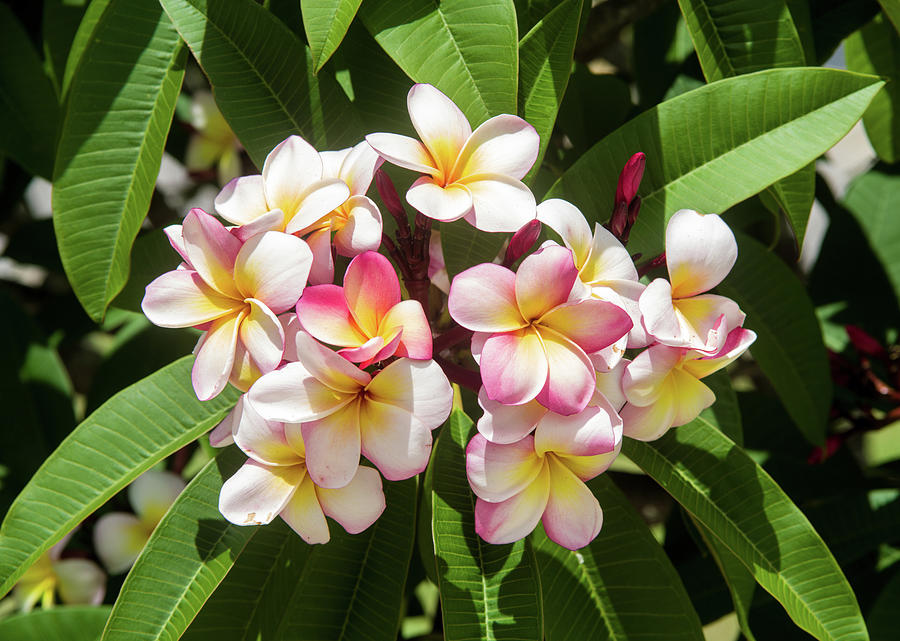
<point x="864" y="342"/>
<point x="630" y="179"/>
<point x="389" y="196"/>
<point x="522" y="241"/>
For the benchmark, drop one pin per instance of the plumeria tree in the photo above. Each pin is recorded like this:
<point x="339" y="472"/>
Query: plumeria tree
<point x="463" y="320"/>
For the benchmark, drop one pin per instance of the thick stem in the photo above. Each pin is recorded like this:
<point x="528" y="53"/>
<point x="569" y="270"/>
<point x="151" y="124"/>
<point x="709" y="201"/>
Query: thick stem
<point x="459" y="374"/>
<point x="451" y="338"/>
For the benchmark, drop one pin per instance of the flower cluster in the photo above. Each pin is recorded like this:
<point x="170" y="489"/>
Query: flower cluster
<point x="336" y="372"/>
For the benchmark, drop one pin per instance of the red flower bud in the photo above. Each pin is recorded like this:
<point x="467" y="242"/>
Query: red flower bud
<point x="630" y="179"/>
<point x="864" y="342"/>
<point x="522" y="241"/>
<point x="389" y="195"/>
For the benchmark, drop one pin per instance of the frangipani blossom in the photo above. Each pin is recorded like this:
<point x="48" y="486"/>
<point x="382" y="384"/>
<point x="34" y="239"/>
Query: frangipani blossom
<point x="119" y="537"/>
<point x="603" y="262"/>
<point x="663" y="388"/>
<point x="274" y="481"/>
<point x="346" y="412"/>
<point x="700" y="251"/>
<point x="532" y="338"/>
<point x="213" y="143"/>
<point x="78" y="581"/>
<point x="476" y="175"/>
<point x="541" y="478"/>
<point x="233" y="290"/>
<point x="366" y="315"/>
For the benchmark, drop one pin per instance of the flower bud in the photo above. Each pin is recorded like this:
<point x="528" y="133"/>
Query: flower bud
<point x="630" y="179"/>
<point x="522" y="241"/>
<point x="389" y="196"/>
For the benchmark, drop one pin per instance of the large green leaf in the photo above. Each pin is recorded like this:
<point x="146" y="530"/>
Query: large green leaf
<point x="72" y="623"/>
<point x="715" y="146"/>
<point x="789" y="346"/>
<point x="875" y="49"/>
<point x="261" y="75"/>
<point x="794" y="194"/>
<point x="120" y="106"/>
<point x="131" y="432"/>
<point x="325" y="24"/>
<point x="83" y="35"/>
<point x="487" y="591"/>
<point x="545" y="64"/>
<point x="892" y="10"/>
<point x="29" y="108"/>
<point x="621" y="586"/>
<point x="188" y="554"/>
<point x="466" y="48"/>
<point x="734" y="498"/>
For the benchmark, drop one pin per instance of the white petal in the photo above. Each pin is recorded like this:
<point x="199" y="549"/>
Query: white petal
<point x="292" y="394"/>
<point x="118" y="540"/>
<point x="500" y="203"/>
<point x="358" y="168"/>
<point x="304" y="514"/>
<point x="152" y="493"/>
<point x="504" y="144"/>
<point x="272" y="267"/>
<point x="700" y="251"/>
<point x="80" y="582"/>
<point x="567" y="220"/>
<point x="403" y="151"/>
<point x="358" y="504"/>
<point x="257" y="493"/>
<point x="440" y="124"/>
<point x="289" y="170"/>
<point x="242" y="200"/>
<point x="419" y="387"/>
<point x="321" y="198"/>
<point x="362" y="231"/>
<point x="440" y="203"/>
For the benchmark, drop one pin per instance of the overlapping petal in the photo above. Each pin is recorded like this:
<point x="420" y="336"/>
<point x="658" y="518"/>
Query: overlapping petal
<point x="544" y="281"/>
<point x="215" y="356"/>
<point x="483" y="299"/>
<point x="503" y="144"/>
<point x="358" y="504"/>
<point x="498" y="471"/>
<point x="700" y="251"/>
<point x="211" y="251"/>
<point x="514" y="366"/>
<point x="396" y="441"/>
<point x="440" y="124"/>
<point x="257" y="493"/>
<point x="507" y="423"/>
<point x="570" y="375"/>
<point x="242" y="200"/>
<point x="573" y="517"/>
<point x="180" y="298"/>
<point x="288" y="172"/>
<point x="304" y="514"/>
<point x="444" y="203"/>
<point x="333" y="446"/>
<point x="273" y="267"/>
<point x="419" y="387"/>
<point x="403" y="151"/>
<point x="292" y="394"/>
<point x="517" y="516"/>
<point x="499" y="203"/>
<point x="362" y="230"/>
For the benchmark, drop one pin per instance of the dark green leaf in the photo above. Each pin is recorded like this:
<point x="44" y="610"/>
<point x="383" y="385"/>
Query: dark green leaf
<point x="465" y="246"/>
<point x="325" y="24"/>
<point x="72" y="623"/>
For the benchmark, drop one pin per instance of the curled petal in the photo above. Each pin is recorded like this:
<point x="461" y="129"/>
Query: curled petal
<point x="323" y="312"/>
<point x="211" y="250"/>
<point x="504" y="144"/>
<point x="263" y="336"/>
<point x="419" y="387"/>
<point x="403" y="151"/>
<point x="272" y="267"/>
<point x="362" y="231"/>
<point x="358" y="168"/>
<point x="415" y="340"/>
<point x="333" y="447"/>
<point x="257" y="493"/>
<point x="215" y="356"/>
<point x="180" y="298"/>
<point x="738" y="341"/>
<point x="609" y="386"/>
<point x="358" y="504"/>
<point x="368" y="350"/>
<point x="243" y="200"/>
<point x="444" y="203"/>
<point x="176" y="240"/>
<point x="629" y="293"/>
<point x="544" y="281"/>
<point x="221" y="434"/>
<point x="291" y="326"/>
<point x="499" y="203"/>
<point x="396" y="442"/>
<point x="483" y="299"/>
<point x="567" y="220"/>
<point x="507" y="423"/>
<point x="514" y="366"/>
<point x="573" y="517"/>
<point x="332" y="161"/>
<point x="517" y="516"/>
<point x="588" y="433"/>
<point x="288" y="172"/>
<point x="304" y="514"/>
<point x="645" y="376"/>
<point x="706" y="320"/>
<point x="328" y="367"/>
<point x="658" y="313"/>
<point x="270" y="221"/>
<point x="118" y="540"/>
<point x="496" y="472"/>
<point x="371" y="288"/>
<point x="440" y="124"/>
<point x="609" y="260"/>
<point x="700" y="251"/>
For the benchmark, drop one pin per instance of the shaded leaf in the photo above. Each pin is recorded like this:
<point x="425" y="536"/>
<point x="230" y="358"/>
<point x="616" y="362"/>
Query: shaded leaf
<point x="465" y="246"/>
<point x="725" y="413"/>
<point x="325" y="24"/>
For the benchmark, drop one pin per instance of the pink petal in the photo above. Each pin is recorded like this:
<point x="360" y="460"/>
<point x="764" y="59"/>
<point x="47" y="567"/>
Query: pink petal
<point x="262" y="440"/>
<point x="444" y="203"/>
<point x="288" y="172"/>
<point x="706" y="320"/>
<point x="591" y="324"/>
<point x="507" y="423"/>
<point x="371" y="288"/>
<point x="388" y="350"/>
<point x="570" y="376"/>
<point x="328" y="367"/>
<point x="304" y="514"/>
<point x="419" y="387"/>
<point x="321" y="198"/>
<point x="176" y="240"/>
<point x="221" y="434"/>
<point x="499" y="203"/>
<point x="587" y="433"/>
<point x="118" y="540"/>
<point x="358" y="504"/>
<point x="700" y="251"/>
<point x="272" y="267"/>
<point x="738" y="341"/>
<point x="440" y="124"/>
<point x="645" y="376"/>
<point x="504" y="144"/>
<point x="292" y="394"/>
<point x="333" y="447"/>
<point x="483" y="299"/>
<point x="498" y="471"/>
<point x="415" y="340"/>
<point x="587" y="467"/>
<point x="367" y="351"/>
<point x="212" y="251"/>
<point x="403" y="151"/>
<point x="513" y="366"/>
<point x="262" y="336"/>
<point x="257" y="493"/>
<point x="243" y="200"/>
<point x="323" y="312"/>
<point x="362" y="230"/>
<point x="180" y="298"/>
<point x="517" y="516"/>
<point x="544" y="281"/>
<point x="322" y="271"/>
<point x="573" y="517"/>
<point x="271" y="221"/>
<point x="215" y="356"/>
<point x="567" y="220"/>
<point x="394" y="440"/>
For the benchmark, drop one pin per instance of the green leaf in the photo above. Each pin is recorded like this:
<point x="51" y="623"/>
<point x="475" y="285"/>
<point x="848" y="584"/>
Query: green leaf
<point x="621" y="586"/>
<point x="487" y="591"/>
<point x="83" y="35"/>
<point x="833" y="21"/>
<point x="892" y="10"/>
<point x="662" y="46"/>
<point x="120" y="106"/>
<point x="130" y="433"/>
<point x="715" y="146"/>
<point x="59" y="25"/>
<point x="882" y="616"/>
<point x="151" y="256"/>
<point x="262" y="77"/>
<point x="789" y="347"/>
<point x="465" y="246"/>
<point x="471" y="52"/>
<point x="545" y="64"/>
<point x="875" y="49"/>
<point x="794" y="194"/>
<point x="325" y="24"/>
<point x="729" y="494"/>
<point x="29" y="108"/>
<point x="188" y="554"/>
<point x="72" y="623"/>
<point x="725" y="413"/>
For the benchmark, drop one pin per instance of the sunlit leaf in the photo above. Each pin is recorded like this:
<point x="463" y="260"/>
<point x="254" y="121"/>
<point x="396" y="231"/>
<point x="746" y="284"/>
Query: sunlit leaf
<point x="326" y="24"/>
<point x="72" y="623"/>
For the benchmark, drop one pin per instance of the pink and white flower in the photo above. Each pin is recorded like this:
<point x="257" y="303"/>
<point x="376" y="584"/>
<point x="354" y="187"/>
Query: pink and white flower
<point x="274" y="481"/>
<point x="532" y="336"/>
<point x="472" y="175"/>
<point x="346" y="412"/>
<point x="366" y="316"/>
<point x="700" y="251"/>
<point x="663" y="388"/>
<point x="541" y="478"/>
<point x="233" y="290"/>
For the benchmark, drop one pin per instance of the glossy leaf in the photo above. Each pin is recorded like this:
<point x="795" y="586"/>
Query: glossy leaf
<point x="621" y="586"/>
<point x="704" y="148"/>
<point x="471" y="52"/>
<point x="130" y="433"/>
<point x="789" y="347"/>
<point x="729" y="494"/>
<point x="69" y="622"/>
<point x="325" y="24"/>
<point x="794" y="194"/>
<point x="545" y="61"/>
<point x="487" y="591"/>
<point x="262" y="77"/>
<point x="875" y="49"/>
<point x="188" y="554"/>
<point x="120" y="106"/>
<point x="465" y="246"/>
<point x="92" y="14"/>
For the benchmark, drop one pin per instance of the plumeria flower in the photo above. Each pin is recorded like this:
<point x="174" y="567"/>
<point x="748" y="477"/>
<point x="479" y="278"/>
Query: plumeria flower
<point x="292" y="183"/>
<point x="233" y="290"/>
<point x="346" y="412"/>
<point x="472" y="175"/>
<point x="663" y="388"/>
<point x="78" y="581"/>
<point x="603" y="262"/>
<point x="531" y="339"/>
<point x="119" y="537"/>
<point x="700" y="251"/>
<point x="214" y="143"/>
<point x="541" y="478"/>
<point x="274" y="482"/>
<point x="366" y="316"/>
